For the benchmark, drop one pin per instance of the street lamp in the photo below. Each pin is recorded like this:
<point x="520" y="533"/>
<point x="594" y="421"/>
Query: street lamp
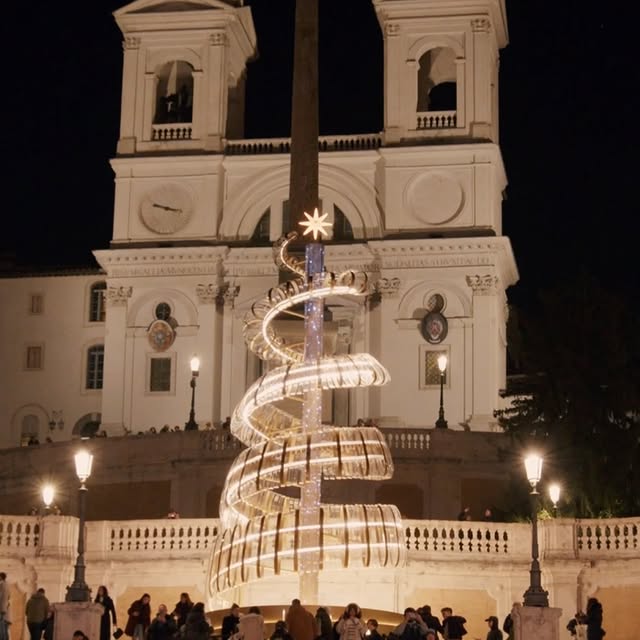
<point x="554" y="495"/>
<point x="47" y="497"/>
<point x="535" y="595"/>
<point x="79" y="591"/>
<point x="441" y="423"/>
<point x="192" y="425"/>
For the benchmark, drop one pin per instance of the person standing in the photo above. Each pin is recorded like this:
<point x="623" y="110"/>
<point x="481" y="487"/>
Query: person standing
<point x="197" y="626"/>
<point x="300" y="622"/>
<point x="182" y="609"/>
<point x="430" y="620"/>
<point x="109" y="613"/>
<point x="251" y="626"/>
<point x="594" y="620"/>
<point x="412" y="627"/>
<point x="139" y="617"/>
<point x="494" y="628"/>
<point x="372" y="628"/>
<point x="350" y="626"/>
<point x="163" y="626"/>
<point x="324" y="624"/>
<point x="452" y="626"/>
<point x="4" y="607"/>
<point x="230" y="622"/>
<point x="36" y="610"/>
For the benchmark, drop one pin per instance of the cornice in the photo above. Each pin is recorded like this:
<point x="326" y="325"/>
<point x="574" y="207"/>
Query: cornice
<point x="136" y="263"/>
<point x="448" y="252"/>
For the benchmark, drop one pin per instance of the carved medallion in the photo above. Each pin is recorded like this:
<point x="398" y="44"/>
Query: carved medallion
<point x="161" y="335"/>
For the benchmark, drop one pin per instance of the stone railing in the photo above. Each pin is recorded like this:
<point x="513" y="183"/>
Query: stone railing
<point x="182" y="537"/>
<point x="607" y="537"/>
<point x="173" y="131"/>
<point x="19" y="534"/>
<point x="56" y="536"/>
<point x="407" y="439"/>
<point x="258" y="146"/>
<point x="438" y="538"/>
<point x="436" y="120"/>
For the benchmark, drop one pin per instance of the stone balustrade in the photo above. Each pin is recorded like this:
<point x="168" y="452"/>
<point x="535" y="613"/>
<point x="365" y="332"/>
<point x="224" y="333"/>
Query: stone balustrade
<point x="258" y="146"/>
<point x="436" y="120"/>
<point x="407" y="439"/>
<point x="26" y="536"/>
<point x="173" y="131"/>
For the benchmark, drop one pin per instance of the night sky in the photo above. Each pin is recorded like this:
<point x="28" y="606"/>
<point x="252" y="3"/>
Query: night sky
<point x="569" y="131"/>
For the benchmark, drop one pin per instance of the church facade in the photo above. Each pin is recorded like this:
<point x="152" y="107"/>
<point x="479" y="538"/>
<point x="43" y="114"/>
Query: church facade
<point x="197" y="207"/>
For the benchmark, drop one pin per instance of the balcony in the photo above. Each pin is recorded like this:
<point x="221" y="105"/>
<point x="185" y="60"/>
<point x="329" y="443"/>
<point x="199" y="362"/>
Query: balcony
<point x="171" y="131"/>
<point x="429" y="120"/>
<point x="260" y="146"/>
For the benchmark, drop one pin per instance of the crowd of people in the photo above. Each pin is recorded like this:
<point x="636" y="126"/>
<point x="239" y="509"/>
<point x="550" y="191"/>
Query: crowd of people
<point x="187" y="621"/>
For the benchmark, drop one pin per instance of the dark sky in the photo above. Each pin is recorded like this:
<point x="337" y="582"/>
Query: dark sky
<point x="568" y="132"/>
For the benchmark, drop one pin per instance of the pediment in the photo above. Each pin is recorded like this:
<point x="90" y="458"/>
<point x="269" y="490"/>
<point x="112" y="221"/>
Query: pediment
<point x="174" y="6"/>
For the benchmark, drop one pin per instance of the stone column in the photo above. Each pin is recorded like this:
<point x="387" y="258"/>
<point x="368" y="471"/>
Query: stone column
<point x="536" y="623"/>
<point x="115" y="343"/>
<point x="485" y="351"/>
<point x="481" y="114"/>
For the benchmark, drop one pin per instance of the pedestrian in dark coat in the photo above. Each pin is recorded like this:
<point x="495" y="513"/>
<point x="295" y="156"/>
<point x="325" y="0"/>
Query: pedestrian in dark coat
<point x="163" y="626"/>
<point x="139" y="617"/>
<point x="197" y="626"/>
<point x="453" y="626"/>
<point x="430" y="620"/>
<point x="182" y="609"/>
<point x="109" y="614"/>
<point x="494" y="629"/>
<point x="324" y="624"/>
<point x="594" y="620"/>
<point x="230" y="622"/>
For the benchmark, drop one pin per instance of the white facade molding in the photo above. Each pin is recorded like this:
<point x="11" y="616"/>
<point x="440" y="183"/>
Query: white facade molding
<point x="118" y="296"/>
<point x="209" y="293"/>
<point x="388" y="287"/>
<point x="483" y="285"/>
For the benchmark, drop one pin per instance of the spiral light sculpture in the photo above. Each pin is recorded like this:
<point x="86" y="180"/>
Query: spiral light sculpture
<point x="266" y="528"/>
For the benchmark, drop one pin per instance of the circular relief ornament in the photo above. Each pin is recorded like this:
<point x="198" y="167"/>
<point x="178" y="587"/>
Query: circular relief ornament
<point x="166" y="209"/>
<point x="161" y="335"/>
<point x="434" y="327"/>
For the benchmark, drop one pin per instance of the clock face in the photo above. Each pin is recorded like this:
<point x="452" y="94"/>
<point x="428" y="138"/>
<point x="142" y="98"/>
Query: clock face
<point x="166" y="209"/>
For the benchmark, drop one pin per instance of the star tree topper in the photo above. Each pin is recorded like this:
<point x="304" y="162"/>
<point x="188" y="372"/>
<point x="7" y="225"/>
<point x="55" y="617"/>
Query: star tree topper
<point x="316" y="224"/>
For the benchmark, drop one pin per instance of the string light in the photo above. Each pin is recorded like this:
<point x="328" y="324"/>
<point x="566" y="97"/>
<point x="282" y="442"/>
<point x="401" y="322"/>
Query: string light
<point x="264" y="531"/>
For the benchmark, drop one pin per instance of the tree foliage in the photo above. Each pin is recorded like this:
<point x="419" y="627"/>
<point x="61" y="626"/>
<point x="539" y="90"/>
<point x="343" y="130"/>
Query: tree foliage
<point x="578" y="351"/>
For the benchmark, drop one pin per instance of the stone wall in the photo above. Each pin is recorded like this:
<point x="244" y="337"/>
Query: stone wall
<point x="479" y="569"/>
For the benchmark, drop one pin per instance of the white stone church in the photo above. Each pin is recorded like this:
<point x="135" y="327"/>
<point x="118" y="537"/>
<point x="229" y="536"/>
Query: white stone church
<point x="197" y="207"/>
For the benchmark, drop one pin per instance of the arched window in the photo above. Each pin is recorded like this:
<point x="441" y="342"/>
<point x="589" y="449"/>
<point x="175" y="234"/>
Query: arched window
<point x="437" y="80"/>
<point x="262" y="231"/>
<point x="96" y="302"/>
<point x="342" y="229"/>
<point x="95" y="366"/>
<point x="174" y="93"/>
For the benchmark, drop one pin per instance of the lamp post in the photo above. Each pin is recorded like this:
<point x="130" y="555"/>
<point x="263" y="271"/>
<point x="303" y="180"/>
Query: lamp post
<point x="191" y="424"/>
<point x="47" y="497"/>
<point x="79" y="591"/>
<point x="441" y="423"/>
<point x="554" y="495"/>
<point x="535" y="595"/>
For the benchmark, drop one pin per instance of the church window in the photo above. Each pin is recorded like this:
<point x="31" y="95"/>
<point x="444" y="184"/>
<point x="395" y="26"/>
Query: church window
<point x="163" y="311"/>
<point x="342" y="229"/>
<point x="430" y="373"/>
<point x="262" y="231"/>
<point x="437" y="80"/>
<point x="34" y="359"/>
<point x="160" y="375"/>
<point x="95" y="367"/>
<point x="97" y="302"/>
<point x="436" y="303"/>
<point x="174" y="94"/>
<point x="36" y="304"/>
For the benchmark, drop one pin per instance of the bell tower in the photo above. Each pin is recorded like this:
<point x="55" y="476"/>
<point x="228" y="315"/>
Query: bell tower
<point x="441" y="68"/>
<point x="184" y="73"/>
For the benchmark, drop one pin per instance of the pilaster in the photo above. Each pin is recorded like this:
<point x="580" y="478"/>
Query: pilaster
<point x="115" y="348"/>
